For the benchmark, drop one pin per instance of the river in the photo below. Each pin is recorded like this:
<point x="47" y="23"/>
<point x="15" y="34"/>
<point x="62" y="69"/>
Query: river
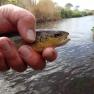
<point x="71" y="73"/>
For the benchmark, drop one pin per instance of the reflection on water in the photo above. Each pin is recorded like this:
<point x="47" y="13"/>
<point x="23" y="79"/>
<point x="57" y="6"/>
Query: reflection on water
<point x="71" y="73"/>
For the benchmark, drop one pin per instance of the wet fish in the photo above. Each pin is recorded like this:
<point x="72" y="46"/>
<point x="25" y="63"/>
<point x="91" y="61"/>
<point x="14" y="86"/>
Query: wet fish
<point x="44" y="38"/>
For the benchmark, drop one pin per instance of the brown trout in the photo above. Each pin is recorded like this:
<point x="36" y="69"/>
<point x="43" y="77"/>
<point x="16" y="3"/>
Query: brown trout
<point x="44" y="38"/>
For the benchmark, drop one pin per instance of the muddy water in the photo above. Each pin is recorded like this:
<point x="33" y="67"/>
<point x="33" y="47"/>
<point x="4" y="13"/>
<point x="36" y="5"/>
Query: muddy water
<point x="71" y="73"/>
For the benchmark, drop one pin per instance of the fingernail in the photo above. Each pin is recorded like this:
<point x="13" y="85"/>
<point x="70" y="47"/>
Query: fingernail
<point x="31" y="35"/>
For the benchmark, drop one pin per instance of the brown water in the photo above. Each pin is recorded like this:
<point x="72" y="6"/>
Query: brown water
<point x="71" y="73"/>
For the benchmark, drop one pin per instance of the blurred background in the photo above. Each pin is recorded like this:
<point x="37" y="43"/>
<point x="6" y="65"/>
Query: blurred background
<point x="48" y="10"/>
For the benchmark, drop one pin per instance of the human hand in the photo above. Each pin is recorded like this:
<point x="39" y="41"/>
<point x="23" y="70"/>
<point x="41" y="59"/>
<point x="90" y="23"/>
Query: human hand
<point x="13" y="18"/>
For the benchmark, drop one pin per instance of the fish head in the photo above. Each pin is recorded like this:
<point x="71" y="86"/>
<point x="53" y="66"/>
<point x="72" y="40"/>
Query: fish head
<point x="52" y="38"/>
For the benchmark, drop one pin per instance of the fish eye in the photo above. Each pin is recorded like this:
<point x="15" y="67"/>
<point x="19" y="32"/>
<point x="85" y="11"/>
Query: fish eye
<point x="58" y="34"/>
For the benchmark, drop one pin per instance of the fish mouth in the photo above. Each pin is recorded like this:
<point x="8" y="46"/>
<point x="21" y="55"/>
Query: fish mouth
<point x="66" y="36"/>
<point x="65" y="39"/>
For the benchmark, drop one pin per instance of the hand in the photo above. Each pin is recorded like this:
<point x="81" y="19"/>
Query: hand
<point x="13" y="18"/>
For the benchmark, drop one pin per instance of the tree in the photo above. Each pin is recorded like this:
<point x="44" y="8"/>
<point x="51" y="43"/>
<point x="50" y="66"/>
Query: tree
<point x="68" y="5"/>
<point x="77" y="7"/>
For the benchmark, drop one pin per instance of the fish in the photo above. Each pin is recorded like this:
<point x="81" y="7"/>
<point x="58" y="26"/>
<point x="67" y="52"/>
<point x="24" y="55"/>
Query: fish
<point x="44" y="38"/>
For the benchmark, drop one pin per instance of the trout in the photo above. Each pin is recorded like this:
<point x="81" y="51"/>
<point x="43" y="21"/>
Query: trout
<point x="44" y="38"/>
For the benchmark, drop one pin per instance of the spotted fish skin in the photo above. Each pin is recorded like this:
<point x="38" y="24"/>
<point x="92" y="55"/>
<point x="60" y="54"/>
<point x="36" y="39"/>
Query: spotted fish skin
<point x="44" y="38"/>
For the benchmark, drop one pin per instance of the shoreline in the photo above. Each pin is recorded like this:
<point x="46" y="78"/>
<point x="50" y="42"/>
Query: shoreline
<point x="39" y="21"/>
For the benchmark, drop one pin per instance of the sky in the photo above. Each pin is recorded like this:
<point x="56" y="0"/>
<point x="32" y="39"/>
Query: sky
<point x="84" y="4"/>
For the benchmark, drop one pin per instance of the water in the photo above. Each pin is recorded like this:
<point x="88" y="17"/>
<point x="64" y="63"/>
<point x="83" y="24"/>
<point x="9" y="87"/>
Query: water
<point x="71" y="73"/>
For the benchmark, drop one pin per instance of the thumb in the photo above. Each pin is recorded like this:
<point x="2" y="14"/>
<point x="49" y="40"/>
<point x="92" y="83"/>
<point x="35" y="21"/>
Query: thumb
<point x="26" y="27"/>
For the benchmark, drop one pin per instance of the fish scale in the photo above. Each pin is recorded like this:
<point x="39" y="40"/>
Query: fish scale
<point x="44" y="38"/>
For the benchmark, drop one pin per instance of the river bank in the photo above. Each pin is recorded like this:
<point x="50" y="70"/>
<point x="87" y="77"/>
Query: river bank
<point x="45" y="20"/>
<point x="39" y="20"/>
<point x="47" y="10"/>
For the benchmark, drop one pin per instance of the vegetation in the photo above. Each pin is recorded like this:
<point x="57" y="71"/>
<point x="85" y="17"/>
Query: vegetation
<point x="92" y="29"/>
<point x="68" y="6"/>
<point x="47" y="10"/>
<point x="67" y="13"/>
